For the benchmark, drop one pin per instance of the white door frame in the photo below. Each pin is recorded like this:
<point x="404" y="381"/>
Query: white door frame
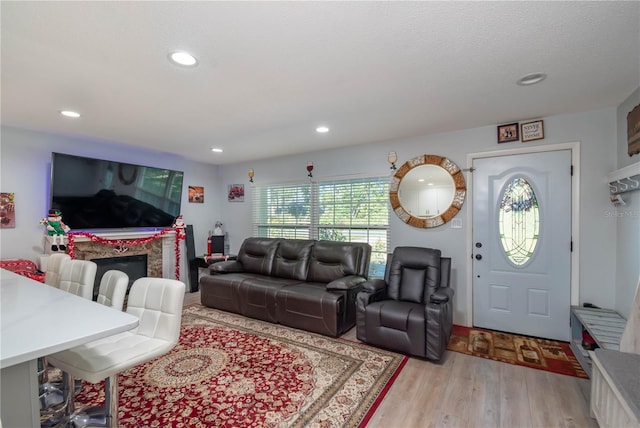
<point x="575" y="215"/>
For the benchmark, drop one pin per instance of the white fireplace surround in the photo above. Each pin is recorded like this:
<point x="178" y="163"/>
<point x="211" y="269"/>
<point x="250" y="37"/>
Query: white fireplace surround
<point x="167" y="245"/>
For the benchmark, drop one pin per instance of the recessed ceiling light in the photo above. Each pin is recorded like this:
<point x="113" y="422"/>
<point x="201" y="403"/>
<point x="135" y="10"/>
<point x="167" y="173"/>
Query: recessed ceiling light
<point x="322" y="129"/>
<point x="531" y="79"/>
<point x="70" y="113"/>
<point x="216" y="150"/>
<point x="183" y="58"/>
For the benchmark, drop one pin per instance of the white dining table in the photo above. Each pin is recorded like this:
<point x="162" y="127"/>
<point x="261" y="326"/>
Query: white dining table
<point x="37" y="320"/>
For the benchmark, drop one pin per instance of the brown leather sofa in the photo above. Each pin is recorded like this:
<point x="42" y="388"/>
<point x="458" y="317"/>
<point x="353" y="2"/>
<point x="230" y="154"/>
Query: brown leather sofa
<point x="306" y="284"/>
<point x="410" y="310"/>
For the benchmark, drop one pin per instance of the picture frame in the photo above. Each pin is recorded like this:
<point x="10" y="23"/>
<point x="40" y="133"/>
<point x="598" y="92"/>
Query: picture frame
<point x="7" y="210"/>
<point x="633" y="131"/>
<point x="196" y="194"/>
<point x="235" y="193"/>
<point x="531" y="131"/>
<point x="508" y="133"/>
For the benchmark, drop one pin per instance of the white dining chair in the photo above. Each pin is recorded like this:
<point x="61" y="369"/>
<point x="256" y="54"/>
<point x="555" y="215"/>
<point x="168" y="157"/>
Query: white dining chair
<point x="74" y="276"/>
<point x="54" y="268"/>
<point x="113" y="288"/>
<point x="157" y="302"/>
<point x="78" y="277"/>
<point x="112" y="291"/>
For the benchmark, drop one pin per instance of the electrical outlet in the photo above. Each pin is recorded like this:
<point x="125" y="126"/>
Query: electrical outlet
<point x="456" y="223"/>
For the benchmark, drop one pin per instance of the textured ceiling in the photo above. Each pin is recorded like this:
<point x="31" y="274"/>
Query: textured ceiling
<point x="270" y="72"/>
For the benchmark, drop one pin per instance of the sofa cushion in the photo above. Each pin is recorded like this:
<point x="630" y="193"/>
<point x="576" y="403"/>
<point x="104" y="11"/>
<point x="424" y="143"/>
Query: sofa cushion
<point x="257" y="296"/>
<point x="413" y="274"/>
<point x="292" y="259"/>
<point x="257" y="255"/>
<point x="396" y="325"/>
<point x="332" y="260"/>
<point x="221" y="291"/>
<point x="310" y="307"/>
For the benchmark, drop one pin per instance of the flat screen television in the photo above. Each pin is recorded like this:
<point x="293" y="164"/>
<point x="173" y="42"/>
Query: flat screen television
<point x="102" y="194"/>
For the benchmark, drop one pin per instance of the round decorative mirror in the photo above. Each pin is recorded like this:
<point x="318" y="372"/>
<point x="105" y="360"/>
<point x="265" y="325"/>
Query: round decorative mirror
<point x="427" y="191"/>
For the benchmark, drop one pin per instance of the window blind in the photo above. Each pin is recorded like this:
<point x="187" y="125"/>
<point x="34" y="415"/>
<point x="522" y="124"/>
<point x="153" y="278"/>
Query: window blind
<point x="349" y="210"/>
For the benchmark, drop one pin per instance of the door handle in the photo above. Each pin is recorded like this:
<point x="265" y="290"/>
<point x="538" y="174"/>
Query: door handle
<point x="478" y="256"/>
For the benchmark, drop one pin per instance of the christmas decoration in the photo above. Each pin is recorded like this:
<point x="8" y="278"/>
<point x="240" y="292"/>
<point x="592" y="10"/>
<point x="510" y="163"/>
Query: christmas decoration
<point x="56" y="229"/>
<point x="122" y="245"/>
<point x="218" y="228"/>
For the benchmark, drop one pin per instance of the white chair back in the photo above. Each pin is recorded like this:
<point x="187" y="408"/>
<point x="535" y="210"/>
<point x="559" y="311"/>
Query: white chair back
<point x="54" y="268"/>
<point x="113" y="288"/>
<point x="78" y="277"/>
<point x="157" y="302"/>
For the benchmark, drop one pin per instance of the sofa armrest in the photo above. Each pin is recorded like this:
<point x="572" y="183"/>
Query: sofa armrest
<point x="441" y="295"/>
<point x="372" y="290"/>
<point x="345" y="283"/>
<point x="375" y="285"/>
<point x="229" y="266"/>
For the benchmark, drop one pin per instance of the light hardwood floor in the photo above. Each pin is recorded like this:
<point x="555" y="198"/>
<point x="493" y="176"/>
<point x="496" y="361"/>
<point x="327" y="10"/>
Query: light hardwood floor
<point x="465" y="391"/>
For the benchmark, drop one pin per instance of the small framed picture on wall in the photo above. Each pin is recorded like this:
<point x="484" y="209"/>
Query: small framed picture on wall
<point x="508" y="133"/>
<point x="7" y="210"/>
<point x="236" y="193"/>
<point x="196" y="194"/>
<point x="532" y="131"/>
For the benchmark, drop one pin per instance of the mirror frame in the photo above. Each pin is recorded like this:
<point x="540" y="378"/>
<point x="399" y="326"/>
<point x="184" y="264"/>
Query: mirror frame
<point x="456" y="203"/>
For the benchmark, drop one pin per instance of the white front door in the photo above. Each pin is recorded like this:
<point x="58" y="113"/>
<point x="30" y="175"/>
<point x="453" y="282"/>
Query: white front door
<point x="522" y="244"/>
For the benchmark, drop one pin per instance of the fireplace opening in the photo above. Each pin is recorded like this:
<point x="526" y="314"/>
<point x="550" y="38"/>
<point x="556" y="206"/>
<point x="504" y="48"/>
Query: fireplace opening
<point x="134" y="266"/>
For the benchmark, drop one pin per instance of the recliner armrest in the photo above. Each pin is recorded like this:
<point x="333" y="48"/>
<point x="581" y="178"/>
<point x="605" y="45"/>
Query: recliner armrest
<point x="229" y="266"/>
<point x="345" y="282"/>
<point x="441" y="295"/>
<point x="373" y="290"/>
<point x="375" y="285"/>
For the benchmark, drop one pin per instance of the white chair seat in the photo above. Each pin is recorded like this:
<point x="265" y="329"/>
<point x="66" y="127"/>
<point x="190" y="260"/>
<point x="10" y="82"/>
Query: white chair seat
<point x="97" y="360"/>
<point x="157" y="302"/>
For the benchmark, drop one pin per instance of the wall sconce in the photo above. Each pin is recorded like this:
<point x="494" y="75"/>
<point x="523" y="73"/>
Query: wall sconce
<point x="392" y="158"/>
<point x="251" y="176"/>
<point x="309" y="169"/>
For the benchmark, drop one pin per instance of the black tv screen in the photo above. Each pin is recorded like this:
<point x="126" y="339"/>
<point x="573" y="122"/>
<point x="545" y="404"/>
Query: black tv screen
<point x="103" y="194"/>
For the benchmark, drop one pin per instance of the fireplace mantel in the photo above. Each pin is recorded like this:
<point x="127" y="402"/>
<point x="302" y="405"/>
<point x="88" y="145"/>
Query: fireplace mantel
<point x="160" y="252"/>
<point x="115" y="234"/>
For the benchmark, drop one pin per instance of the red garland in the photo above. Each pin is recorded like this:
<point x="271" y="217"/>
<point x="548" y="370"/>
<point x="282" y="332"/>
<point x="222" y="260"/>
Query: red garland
<point x="121" y="243"/>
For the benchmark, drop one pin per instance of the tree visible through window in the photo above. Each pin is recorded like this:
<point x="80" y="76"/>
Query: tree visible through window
<point x="354" y="210"/>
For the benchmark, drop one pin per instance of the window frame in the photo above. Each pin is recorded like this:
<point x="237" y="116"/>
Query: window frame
<point x="261" y="225"/>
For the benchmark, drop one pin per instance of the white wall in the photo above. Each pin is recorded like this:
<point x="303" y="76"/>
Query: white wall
<point x="26" y="169"/>
<point x="596" y="132"/>
<point x="627" y="219"/>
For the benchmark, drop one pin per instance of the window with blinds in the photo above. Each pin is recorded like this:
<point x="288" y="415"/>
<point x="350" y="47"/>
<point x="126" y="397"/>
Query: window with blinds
<point x="351" y="210"/>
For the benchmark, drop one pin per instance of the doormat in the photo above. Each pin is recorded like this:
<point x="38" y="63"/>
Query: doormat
<point x="542" y="354"/>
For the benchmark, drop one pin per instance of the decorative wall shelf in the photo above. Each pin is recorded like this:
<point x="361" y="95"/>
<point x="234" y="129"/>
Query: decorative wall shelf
<point x="625" y="179"/>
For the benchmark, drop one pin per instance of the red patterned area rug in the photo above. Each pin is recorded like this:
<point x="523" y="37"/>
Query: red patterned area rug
<point x="232" y="371"/>
<point x="543" y="354"/>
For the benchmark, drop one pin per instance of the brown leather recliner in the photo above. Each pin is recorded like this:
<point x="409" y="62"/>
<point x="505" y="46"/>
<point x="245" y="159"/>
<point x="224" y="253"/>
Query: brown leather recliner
<point x="410" y="310"/>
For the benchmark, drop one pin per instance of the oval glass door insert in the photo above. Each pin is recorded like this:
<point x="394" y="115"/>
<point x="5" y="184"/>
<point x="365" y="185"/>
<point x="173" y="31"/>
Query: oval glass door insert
<point x="518" y="221"/>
